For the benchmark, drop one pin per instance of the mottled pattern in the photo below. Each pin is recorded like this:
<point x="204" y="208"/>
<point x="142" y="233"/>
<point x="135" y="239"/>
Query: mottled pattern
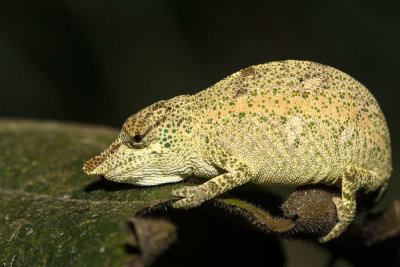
<point x="280" y="123"/>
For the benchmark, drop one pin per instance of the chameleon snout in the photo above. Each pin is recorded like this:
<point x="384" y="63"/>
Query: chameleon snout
<point x="94" y="165"/>
<point x="91" y="166"/>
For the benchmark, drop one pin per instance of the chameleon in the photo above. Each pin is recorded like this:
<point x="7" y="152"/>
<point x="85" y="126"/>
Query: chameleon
<point x="286" y="123"/>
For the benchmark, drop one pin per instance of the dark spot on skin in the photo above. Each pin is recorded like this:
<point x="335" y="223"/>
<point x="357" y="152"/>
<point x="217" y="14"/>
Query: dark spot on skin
<point x="241" y="91"/>
<point x="212" y="186"/>
<point x="148" y="115"/>
<point x="158" y="105"/>
<point x="114" y="147"/>
<point x="248" y="71"/>
<point x="179" y="122"/>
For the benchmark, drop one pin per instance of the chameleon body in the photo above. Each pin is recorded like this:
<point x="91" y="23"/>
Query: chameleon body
<point x="281" y="123"/>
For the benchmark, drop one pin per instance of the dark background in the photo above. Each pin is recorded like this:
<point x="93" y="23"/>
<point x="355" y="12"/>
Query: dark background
<point x="99" y="61"/>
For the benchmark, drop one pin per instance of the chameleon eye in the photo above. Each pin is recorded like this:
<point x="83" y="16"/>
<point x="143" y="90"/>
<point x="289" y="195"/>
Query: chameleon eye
<point x="137" y="138"/>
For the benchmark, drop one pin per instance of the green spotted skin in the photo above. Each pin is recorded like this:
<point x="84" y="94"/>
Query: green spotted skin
<point x="281" y="123"/>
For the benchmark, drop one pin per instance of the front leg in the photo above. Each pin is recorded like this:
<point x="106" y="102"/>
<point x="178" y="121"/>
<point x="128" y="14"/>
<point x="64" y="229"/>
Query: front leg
<point x="193" y="196"/>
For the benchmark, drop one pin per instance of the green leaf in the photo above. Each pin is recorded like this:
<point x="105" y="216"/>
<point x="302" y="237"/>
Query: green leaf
<point x="50" y="211"/>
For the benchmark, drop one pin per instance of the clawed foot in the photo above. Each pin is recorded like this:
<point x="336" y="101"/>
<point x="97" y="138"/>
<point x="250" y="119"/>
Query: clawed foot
<point x="344" y="219"/>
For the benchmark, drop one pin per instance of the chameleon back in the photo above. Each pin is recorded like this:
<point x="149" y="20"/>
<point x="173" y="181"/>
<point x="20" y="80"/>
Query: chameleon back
<point x="295" y="122"/>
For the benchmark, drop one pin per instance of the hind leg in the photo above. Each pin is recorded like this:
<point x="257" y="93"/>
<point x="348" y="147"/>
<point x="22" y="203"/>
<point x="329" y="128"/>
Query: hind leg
<point x="353" y="179"/>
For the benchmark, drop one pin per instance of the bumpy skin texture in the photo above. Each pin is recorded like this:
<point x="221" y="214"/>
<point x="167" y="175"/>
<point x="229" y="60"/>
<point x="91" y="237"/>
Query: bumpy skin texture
<point x="281" y="123"/>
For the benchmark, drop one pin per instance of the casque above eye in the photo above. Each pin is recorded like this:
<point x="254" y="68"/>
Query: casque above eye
<point x="137" y="138"/>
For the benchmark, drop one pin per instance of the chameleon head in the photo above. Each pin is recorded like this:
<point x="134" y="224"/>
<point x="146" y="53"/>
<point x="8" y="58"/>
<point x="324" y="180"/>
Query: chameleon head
<point x="150" y="149"/>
